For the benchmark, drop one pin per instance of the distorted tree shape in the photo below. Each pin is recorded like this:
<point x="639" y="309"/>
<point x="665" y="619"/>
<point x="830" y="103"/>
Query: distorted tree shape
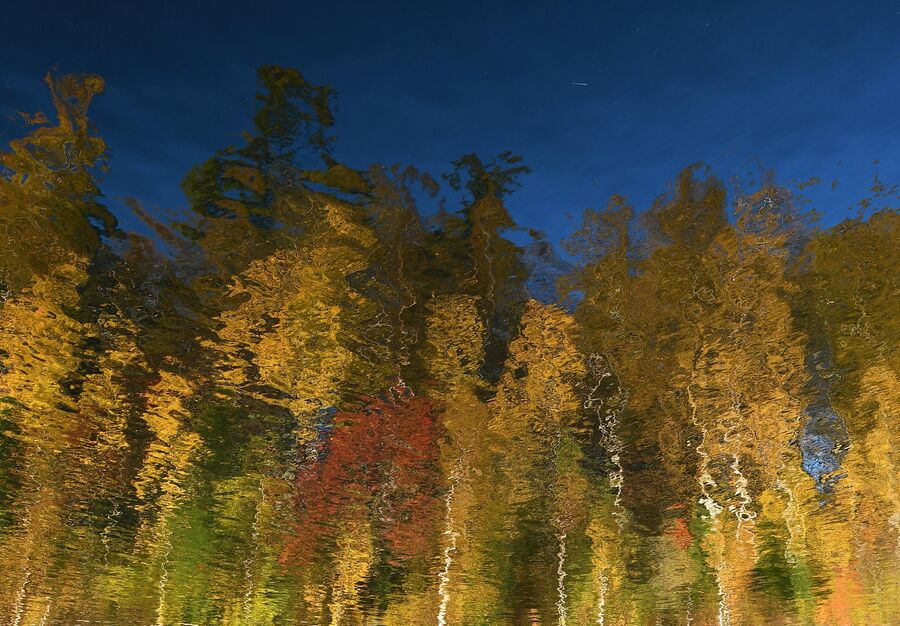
<point x="377" y="464"/>
<point x="292" y="117"/>
<point x="493" y="268"/>
<point x="48" y="186"/>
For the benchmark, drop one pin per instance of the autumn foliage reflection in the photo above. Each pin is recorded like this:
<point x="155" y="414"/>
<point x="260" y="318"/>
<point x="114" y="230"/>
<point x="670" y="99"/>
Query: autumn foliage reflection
<point x="378" y="466"/>
<point x="314" y="397"/>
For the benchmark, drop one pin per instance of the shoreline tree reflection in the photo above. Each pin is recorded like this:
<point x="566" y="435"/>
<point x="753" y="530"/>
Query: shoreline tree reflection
<point x="320" y="404"/>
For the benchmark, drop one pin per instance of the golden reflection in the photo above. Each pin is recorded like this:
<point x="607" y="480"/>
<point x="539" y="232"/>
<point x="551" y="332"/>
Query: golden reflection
<point x="310" y="402"/>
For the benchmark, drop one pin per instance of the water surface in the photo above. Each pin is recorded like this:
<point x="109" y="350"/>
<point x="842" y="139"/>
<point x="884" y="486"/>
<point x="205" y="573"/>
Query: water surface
<point x="326" y="394"/>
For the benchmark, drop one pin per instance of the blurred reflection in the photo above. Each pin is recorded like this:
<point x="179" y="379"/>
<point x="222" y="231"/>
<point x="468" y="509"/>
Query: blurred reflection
<point x="309" y="401"/>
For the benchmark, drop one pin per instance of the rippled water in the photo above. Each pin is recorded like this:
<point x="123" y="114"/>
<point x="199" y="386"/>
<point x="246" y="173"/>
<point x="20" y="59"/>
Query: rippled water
<point x="307" y="400"/>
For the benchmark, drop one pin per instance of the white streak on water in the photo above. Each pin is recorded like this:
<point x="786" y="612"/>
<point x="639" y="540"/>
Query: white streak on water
<point x="450" y="548"/>
<point x="561" y="578"/>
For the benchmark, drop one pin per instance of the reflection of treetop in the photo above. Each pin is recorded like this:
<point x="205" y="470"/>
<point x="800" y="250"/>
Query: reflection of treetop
<point x="497" y="177"/>
<point x="291" y="119"/>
